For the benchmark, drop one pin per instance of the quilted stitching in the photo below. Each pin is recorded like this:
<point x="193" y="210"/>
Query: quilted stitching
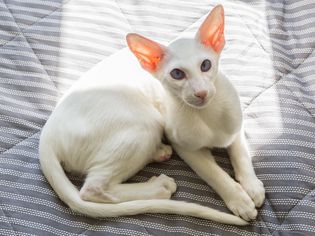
<point x="272" y="218"/>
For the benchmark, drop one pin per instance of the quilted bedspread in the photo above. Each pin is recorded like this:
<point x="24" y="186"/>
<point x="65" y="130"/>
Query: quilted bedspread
<point x="45" y="45"/>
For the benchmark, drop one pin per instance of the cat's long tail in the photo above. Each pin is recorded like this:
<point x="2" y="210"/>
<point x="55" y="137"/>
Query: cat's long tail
<point x="70" y="195"/>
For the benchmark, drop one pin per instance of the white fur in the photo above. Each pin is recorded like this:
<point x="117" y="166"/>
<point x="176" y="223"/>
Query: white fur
<point x="194" y="129"/>
<point x="109" y="126"/>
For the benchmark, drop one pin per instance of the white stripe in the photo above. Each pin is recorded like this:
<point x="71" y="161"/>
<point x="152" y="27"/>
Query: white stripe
<point x="29" y="104"/>
<point x="41" y="96"/>
<point x="18" y="121"/>
<point x="28" y="84"/>
<point x="19" y="111"/>
<point x="15" y="131"/>
<point x="21" y="153"/>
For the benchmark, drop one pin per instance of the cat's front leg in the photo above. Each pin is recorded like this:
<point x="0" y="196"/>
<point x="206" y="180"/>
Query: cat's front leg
<point x="244" y="171"/>
<point x="234" y="196"/>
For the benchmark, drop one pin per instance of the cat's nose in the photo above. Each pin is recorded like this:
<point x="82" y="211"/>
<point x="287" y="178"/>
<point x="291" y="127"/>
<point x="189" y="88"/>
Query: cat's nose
<point x="201" y="94"/>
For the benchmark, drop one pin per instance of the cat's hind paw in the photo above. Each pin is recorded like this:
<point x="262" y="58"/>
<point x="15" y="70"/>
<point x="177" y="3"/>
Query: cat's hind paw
<point x="163" y="153"/>
<point x="164" y="186"/>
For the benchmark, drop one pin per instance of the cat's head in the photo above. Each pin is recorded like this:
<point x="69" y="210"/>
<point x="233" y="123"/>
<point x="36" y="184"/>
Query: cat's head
<point x="187" y="68"/>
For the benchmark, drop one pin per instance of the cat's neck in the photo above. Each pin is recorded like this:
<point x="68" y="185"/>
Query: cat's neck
<point x="222" y="115"/>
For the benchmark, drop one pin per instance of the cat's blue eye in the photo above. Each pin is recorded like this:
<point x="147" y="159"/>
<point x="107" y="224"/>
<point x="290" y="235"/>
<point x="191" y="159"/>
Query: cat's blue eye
<point x="205" y="65"/>
<point x="177" y="74"/>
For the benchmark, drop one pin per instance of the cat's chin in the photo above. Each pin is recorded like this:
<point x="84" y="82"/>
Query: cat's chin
<point x="199" y="105"/>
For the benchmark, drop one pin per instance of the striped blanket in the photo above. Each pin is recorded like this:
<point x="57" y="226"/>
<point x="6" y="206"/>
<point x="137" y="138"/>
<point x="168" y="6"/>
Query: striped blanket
<point x="45" y="45"/>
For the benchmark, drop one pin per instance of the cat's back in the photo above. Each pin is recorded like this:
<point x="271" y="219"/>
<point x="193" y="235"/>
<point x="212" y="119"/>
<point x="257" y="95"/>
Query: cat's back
<point x="116" y="86"/>
<point x="120" y="70"/>
<point x="106" y="103"/>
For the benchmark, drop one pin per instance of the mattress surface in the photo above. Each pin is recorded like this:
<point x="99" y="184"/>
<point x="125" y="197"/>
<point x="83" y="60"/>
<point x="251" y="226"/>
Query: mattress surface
<point x="45" y="46"/>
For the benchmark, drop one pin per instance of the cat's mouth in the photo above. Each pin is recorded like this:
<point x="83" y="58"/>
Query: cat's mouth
<point x="199" y="104"/>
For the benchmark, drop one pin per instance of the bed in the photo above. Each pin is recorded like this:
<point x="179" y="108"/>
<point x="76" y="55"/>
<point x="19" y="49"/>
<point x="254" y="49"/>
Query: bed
<point x="46" y="45"/>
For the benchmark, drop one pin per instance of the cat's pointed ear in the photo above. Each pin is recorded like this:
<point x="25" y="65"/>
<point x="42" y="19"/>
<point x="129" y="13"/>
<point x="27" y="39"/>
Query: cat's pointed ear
<point x="211" y="32"/>
<point x="148" y="52"/>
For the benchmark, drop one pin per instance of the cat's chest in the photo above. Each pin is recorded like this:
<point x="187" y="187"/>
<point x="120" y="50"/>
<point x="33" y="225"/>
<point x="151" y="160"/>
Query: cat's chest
<point x="204" y="130"/>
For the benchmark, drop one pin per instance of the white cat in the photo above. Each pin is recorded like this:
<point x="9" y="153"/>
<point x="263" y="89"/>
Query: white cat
<point x="110" y="125"/>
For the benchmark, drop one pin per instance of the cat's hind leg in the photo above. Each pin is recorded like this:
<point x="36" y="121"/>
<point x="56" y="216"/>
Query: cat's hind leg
<point x="109" y="169"/>
<point x="161" y="187"/>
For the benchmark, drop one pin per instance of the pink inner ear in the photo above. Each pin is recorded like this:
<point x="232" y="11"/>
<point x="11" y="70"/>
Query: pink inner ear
<point x="211" y="32"/>
<point x="148" y="52"/>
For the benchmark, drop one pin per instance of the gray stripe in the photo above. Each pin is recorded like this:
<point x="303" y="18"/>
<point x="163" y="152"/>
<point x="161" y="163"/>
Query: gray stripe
<point x="45" y="46"/>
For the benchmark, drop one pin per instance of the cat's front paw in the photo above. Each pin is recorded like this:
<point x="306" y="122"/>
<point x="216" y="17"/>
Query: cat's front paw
<point x="241" y="204"/>
<point x="255" y="189"/>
